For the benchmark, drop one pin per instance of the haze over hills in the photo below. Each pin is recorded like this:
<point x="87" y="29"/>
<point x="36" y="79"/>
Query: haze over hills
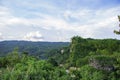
<point x="33" y="48"/>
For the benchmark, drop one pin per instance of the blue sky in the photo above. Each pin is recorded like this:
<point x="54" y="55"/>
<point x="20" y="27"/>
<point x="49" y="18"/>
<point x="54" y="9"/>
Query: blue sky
<point x="58" y="20"/>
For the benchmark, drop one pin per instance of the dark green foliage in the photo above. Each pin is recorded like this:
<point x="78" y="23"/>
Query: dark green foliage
<point x="53" y="62"/>
<point x="77" y="49"/>
<point x="61" y="55"/>
<point x="81" y="48"/>
<point x="89" y="73"/>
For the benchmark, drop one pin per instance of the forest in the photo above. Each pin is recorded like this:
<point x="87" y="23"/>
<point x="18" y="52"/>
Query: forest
<point x="81" y="59"/>
<point x="39" y="49"/>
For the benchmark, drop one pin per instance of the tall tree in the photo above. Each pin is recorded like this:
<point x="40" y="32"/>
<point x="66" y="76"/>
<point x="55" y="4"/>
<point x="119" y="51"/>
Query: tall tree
<point x="115" y="31"/>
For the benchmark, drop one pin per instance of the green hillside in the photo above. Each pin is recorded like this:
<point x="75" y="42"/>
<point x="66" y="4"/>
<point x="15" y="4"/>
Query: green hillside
<point x="83" y="59"/>
<point x="39" y="49"/>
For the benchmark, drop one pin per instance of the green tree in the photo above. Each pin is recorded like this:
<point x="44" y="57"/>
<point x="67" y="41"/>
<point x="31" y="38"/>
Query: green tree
<point x="77" y="49"/>
<point x="89" y="73"/>
<point x="115" y="31"/>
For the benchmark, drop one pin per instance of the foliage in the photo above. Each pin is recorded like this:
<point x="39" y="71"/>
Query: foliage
<point x="84" y="59"/>
<point x="115" y="31"/>
<point x="29" y="68"/>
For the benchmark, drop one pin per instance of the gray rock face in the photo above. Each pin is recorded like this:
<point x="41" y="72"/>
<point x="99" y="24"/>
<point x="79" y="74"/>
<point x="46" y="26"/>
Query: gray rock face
<point x="101" y="66"/>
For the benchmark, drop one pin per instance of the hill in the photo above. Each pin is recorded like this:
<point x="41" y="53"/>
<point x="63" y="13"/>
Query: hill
<point x="40" y="49"/>
<point x="82" y="59"/>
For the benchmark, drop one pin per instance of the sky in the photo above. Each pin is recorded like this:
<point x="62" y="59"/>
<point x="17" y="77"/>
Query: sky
<point x="58" y="20"/>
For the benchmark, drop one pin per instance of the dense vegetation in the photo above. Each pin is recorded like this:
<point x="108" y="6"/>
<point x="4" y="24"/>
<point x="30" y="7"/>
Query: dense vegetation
<point x="24" y="67"/>
<point x="97" y="58"/>
<point x="83" y="59"/>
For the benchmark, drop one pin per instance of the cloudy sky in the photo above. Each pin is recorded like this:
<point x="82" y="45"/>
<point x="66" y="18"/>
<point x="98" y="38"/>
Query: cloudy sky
<point x="58" y="20"/>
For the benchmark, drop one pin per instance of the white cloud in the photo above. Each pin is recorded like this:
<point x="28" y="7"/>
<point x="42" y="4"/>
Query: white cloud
<point x="33" y="36"/>
<point x="88" y="22"/>
<point x="1" y="37"/>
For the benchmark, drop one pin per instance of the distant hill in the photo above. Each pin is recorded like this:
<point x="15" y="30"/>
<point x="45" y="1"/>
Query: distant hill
<point x="39" y="49"/>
